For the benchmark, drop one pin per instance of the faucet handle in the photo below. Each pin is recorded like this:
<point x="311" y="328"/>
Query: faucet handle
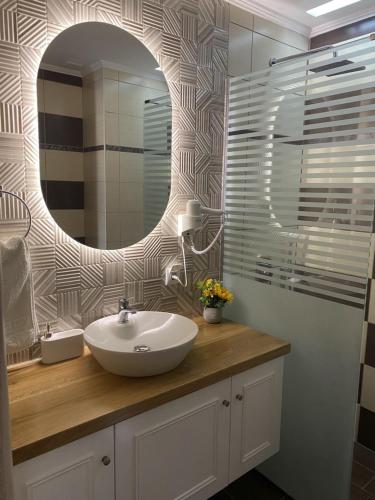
<point x="123" y="303"/>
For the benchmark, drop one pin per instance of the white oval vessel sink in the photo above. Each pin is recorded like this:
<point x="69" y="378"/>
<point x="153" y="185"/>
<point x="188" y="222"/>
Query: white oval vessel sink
<point x="150" y="343"/>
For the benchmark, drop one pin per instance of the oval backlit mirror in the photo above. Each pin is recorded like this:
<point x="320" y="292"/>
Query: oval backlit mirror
<point x="105" y="135"/>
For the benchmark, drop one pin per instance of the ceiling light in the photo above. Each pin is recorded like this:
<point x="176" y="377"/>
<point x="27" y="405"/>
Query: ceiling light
<point x="330" y="7"/>
<point x="158" y="68"/>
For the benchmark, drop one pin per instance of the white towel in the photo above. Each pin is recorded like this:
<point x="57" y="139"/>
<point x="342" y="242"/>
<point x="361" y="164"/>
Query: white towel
<point x="17" y="293"/>
<point x="6" y="483"/>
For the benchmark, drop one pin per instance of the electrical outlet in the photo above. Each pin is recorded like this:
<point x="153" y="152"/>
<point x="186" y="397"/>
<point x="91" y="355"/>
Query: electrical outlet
<point x="169" y="272"/>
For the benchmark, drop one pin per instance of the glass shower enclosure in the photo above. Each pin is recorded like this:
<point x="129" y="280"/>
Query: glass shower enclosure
<point x="299" y="194"/>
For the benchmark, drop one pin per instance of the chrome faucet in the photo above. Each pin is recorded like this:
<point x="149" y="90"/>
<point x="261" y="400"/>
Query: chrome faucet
<point x="124" y="311"/>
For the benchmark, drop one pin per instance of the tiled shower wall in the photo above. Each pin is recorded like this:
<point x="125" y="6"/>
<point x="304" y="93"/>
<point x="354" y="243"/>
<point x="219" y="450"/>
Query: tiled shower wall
<point x="75" y="284"/>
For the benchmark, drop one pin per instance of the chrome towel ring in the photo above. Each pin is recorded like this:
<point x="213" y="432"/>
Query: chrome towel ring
<point x="2" y="191"/>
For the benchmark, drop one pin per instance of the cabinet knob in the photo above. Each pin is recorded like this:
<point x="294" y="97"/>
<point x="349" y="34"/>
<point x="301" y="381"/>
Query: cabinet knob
<point x="239" y="397"/>
<point x="106" y="460"/>
<point x="226" y="403"/>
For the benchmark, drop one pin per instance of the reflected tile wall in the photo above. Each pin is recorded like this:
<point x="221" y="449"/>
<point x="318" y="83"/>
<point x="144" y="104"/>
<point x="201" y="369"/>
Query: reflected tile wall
<point x="190" y="41"/>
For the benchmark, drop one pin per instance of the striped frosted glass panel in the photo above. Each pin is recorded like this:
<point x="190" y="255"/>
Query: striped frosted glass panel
<point x="300" y="173"/>
<point x="157" y="159"/>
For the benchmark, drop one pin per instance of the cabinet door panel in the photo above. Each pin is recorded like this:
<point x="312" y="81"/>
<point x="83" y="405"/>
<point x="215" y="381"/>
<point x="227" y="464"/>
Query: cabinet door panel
<point x="72" y="472"/>
<point x="179" y="450"/>
<point x="256" y="415"/>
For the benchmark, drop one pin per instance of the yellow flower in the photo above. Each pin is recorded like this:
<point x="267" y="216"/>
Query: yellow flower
<point x="209" y="282"/>
<point x="206" y="293"/>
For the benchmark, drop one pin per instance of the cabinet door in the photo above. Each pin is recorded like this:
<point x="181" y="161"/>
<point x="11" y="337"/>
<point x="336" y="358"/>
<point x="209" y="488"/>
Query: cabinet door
<point x="256" y="416"/>
<point x="73" y="472"/>
<point x="176" y="451"/>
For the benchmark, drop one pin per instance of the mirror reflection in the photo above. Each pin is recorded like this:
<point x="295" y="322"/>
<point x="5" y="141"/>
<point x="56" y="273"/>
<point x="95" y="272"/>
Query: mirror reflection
<point x="104" y="134"/>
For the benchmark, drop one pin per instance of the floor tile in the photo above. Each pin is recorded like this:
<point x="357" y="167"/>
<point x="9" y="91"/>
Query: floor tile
<point x="254" y="486"/>
<point x="364" y="456"/>
<point x="222" y="495"/>
<point x="361" y="475"/>
<point x="370" y="488"/>
<point x="358" y="494"/>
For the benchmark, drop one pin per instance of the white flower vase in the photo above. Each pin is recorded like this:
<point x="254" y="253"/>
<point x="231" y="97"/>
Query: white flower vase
<point x="213" y="314"/>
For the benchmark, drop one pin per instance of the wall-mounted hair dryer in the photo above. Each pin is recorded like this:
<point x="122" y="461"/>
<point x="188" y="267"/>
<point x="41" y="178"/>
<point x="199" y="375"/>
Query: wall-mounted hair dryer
<point x="191" y="221"/>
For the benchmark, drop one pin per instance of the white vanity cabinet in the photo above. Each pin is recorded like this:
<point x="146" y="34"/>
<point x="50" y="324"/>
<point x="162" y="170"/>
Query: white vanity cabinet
<point x="179" y="450"/>
<point x="189" y="448"/>
<point x="194" y="446"/>
<point x="255" y="416"/>
<point x="81" y="470"/>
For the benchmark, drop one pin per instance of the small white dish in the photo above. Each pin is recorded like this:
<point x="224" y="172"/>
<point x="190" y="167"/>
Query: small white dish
<point x="61" y="346"/>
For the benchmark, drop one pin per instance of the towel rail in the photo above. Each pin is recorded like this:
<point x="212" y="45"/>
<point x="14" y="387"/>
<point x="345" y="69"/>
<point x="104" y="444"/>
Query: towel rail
<point x="3" y="191"/>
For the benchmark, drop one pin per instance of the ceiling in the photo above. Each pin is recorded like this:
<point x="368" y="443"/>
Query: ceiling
<point x="292" y="14"/>
<point x="86" y="46"/>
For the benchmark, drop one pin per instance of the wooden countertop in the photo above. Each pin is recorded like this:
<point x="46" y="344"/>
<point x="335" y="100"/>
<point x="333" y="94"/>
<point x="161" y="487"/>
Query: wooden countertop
<point x="52" y="405"/>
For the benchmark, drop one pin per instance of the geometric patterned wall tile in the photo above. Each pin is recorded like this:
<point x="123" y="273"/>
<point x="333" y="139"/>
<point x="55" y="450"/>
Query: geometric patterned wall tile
<point x="32" y="32"/>
<point x="9" y="58"/>
<point x="67" y="279"/>
<point x="134" y="270"/>
<point x="90" y="256"/>
<point x="10" y="88"/>
<point x="153" y="38"/>
<point x="67" y="255"/>
<point x="30" y="60"/>
<point x="134" y="292"/>
<point x="113" y="273"/>
<point x="42" y="257"/>
<point x="222" y="15"/>
<point x="10" y="118"/>
<point x="11" y="147"/>
<point x="108" y="17"/>
<point x="152" y="15"/>
<point x="8" y="26"/>
<point x="68" y="303"/>
<point x="44" y="282"/>
<point x="92" y="276"/>
<point x="171" y="22"/>
<point x="132" y="10"/>
<point x="67" y="322"/>
<point x="92" y="298"/>
<point x="152" y="268"/>
<point x="151" y="289"/>
<point x="189" y="26"/>
<point x="12" y="176"/>
<point x="46" y="308"/>
<point x="189" y="39"/>
<point x="60" y="12"/>
<point x="113" y="256"/>
<point x="207" y="11"/>
<point x="83" y="13"/>
<point x="34" y="8"/>
<point x="109" y="6"/>
<point x="171" y="46"/>
<point x="112" y="296"/>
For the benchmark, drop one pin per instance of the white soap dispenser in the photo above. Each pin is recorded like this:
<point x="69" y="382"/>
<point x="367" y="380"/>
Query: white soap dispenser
<point x="61" y="346"/>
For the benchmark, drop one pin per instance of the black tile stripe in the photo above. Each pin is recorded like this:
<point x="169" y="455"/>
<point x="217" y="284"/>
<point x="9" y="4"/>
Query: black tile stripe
<point x="58" y="130"/>
<point x="359" y="28"/>
<point x="64" y="195"/>
<point x="88" y="149"/>
<point x="58" y="147"/>
<point x="366" y="434"/>
<point x="360" y="383"/>
<point x="54" y="76"/>
<point x="370" y="346"/>
<point x="124" y="149"/>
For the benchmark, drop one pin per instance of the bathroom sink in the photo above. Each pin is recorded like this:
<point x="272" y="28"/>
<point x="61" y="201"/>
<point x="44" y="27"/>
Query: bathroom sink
<point x="150" y="342"/>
